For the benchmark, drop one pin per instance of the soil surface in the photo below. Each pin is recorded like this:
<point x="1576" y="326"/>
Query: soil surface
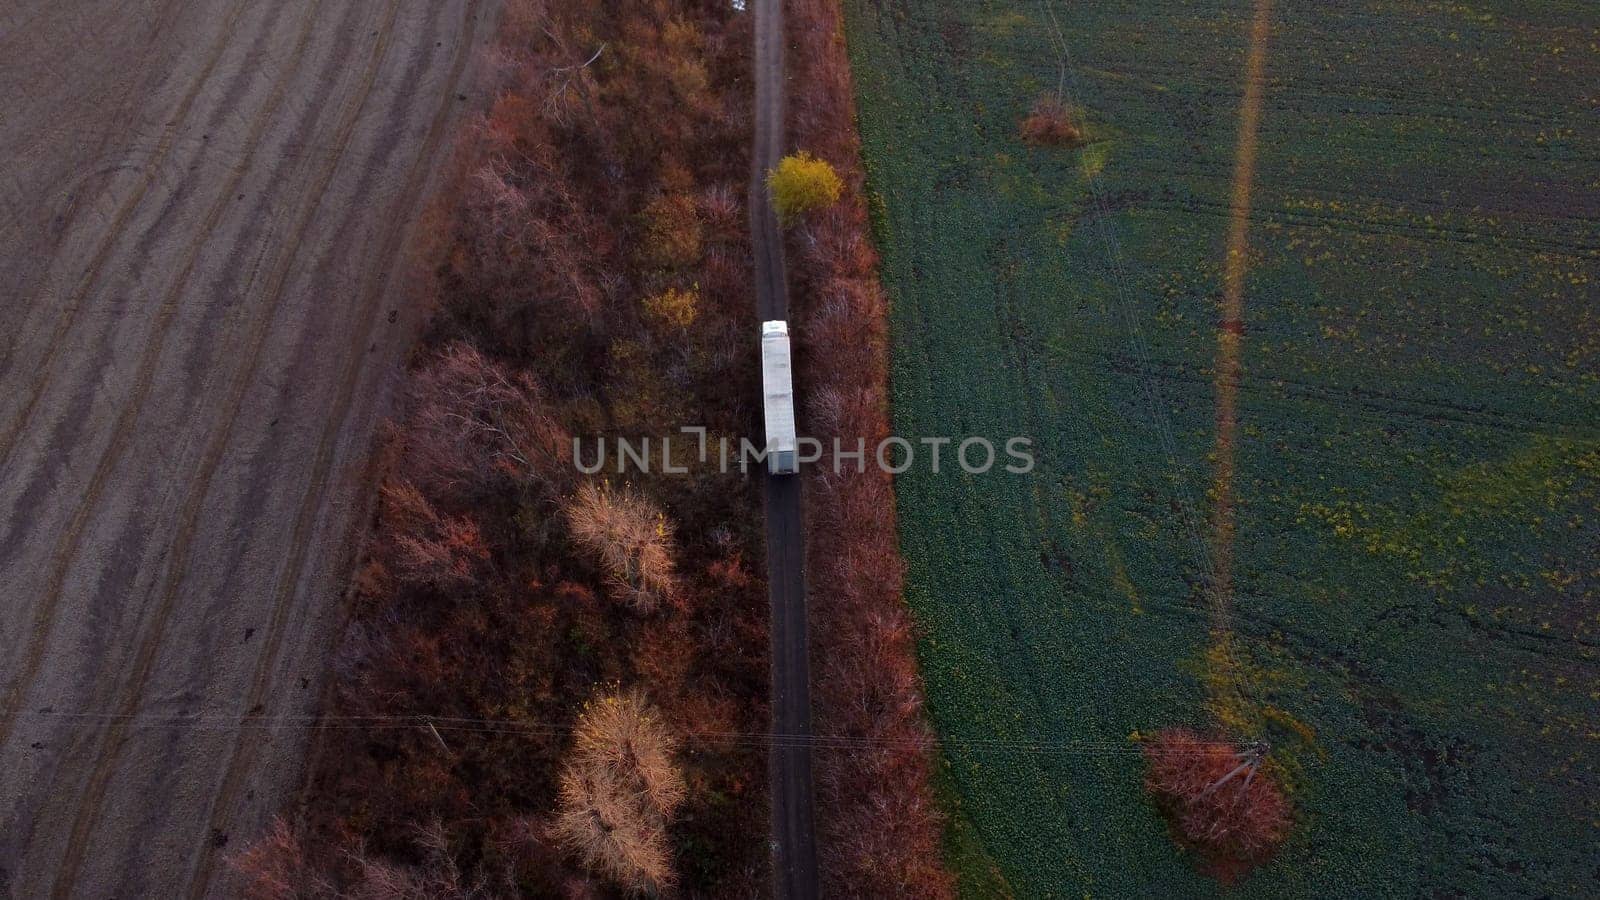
<point x="202" y="213"/>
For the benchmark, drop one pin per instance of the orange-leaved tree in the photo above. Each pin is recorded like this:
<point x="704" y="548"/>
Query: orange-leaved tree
<point x="619" y="789"/>
<point x="632" y="538"/>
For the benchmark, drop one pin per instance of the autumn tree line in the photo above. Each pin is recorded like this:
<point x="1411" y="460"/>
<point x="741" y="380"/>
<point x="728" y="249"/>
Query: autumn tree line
<point x="557" y="682"/>
<point x="554" y="662"/>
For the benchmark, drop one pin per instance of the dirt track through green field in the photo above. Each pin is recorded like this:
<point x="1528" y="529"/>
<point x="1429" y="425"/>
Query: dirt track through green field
<point x="1230" y="325"/>
<point x="1416" y="464"/>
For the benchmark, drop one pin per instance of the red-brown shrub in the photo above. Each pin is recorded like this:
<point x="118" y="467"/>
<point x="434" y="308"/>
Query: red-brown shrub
<point x="1049" y="124"/>
<point x="275" y="868"/>
<point x="476" y="429"/>
<point x="1233" y="817"/>
<point x="722" y="211"/>
<point x="445" y="553"/>
<point x="673" y="233"/>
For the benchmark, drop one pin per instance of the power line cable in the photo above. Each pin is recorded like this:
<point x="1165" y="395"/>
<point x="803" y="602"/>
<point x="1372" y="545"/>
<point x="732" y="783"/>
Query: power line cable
<point x="510" y="727"/>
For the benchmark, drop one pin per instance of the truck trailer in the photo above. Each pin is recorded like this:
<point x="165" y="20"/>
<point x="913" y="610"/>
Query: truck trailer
<point x="777" y="388"/>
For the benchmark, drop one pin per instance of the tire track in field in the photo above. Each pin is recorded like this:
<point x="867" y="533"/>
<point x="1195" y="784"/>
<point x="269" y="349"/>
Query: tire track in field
<point x="113" y="234"/>
<point x="115" y="130"/>
<point x="1230" y="332"/>
<point x="1445" y="235"/>
<point x="149" y="646"/>
<point x="1367" y="403"/>
<point x="245" y="745"/>
<point x="109" y="130"/>
<point x="67" y="547"/>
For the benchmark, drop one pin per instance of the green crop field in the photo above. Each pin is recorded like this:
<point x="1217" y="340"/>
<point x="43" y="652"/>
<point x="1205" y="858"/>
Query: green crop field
<point x="1416" y="586"/>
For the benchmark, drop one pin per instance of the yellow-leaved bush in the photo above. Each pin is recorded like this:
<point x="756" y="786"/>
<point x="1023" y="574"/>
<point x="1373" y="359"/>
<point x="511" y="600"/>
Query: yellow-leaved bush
<point x="802" y="183"/>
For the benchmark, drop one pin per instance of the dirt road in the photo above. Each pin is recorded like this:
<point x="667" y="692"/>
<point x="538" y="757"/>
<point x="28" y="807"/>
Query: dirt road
<point x="201" y="209"/>
<point x="793" y="839"/>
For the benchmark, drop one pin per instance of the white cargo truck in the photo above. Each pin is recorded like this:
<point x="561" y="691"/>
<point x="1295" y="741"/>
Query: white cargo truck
<point x="777" y="388"/>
